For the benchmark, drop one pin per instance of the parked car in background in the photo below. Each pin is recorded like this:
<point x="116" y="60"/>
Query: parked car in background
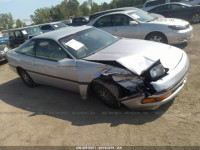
<point x="179" y="10"/>
<point x="119" y="70"/>
<point x="138" y="24"/>
<point x="4" y="40"/>
<point x="98" y="14"/>
<point x="153" y="3"/>
<point x="3" y="51"/>
<point x="20" y="35"/>
<point x="52" y="26"/>
<point x="79" y="21"/>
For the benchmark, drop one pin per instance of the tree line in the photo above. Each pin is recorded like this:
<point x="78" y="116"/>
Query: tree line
<point x="65" y="10"/>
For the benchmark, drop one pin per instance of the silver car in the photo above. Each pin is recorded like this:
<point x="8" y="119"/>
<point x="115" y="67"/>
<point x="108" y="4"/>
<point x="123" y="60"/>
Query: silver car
<point x="138" y="24"/>
<point x="137" y="73"/>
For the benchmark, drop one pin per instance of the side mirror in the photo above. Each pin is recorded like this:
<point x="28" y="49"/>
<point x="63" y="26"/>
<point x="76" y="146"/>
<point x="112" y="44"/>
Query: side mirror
<point x="133" y="23"/>
<point x="66" y="63"/>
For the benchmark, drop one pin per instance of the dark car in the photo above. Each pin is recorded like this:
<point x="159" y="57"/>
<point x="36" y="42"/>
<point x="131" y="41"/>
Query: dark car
<point x="4" y="40"/>
<point x="79" y="21"/>
<point x="98" y="14"/>
<point x="179" y="10"/>
<point x="20" y="35"/>
<point x="52" y="26"/>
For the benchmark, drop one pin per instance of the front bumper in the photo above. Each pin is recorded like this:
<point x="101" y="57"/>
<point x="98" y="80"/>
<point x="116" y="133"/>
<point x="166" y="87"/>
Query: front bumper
<point x="179" y="36"/>
<point x="167" y="88"/>
<point x="136" y="102"/>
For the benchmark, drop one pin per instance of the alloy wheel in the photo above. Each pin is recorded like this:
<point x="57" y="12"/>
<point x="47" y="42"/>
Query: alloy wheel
<point x="104" y="94"/>
<point x="196" y="18"/>
<point x="156" y="38"/>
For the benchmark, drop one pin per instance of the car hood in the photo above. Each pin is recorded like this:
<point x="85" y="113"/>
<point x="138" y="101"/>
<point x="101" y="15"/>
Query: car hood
<point x="138" y="55"/>
<point x="169" y="21"/>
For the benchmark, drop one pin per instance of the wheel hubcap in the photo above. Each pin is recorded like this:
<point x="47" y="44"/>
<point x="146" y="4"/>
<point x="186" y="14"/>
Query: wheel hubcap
<point x="25" y="77"/>
<point x="104" y="94"/>
<point x="156" y="39"/>
<point x="196" y="18"/>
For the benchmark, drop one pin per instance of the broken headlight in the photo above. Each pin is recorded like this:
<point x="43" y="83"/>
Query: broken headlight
<point x="157" y="71"/>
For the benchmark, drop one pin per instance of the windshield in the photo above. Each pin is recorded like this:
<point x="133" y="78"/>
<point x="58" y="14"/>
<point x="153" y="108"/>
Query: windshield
<point x="32" y="31"/>
<point x="59" y="25"/>
<point x="87" y="42"/>
<point x="142" y="16"/>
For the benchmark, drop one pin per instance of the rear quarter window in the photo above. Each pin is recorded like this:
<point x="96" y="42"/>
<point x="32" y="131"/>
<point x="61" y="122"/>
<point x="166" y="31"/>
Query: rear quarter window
<point x="27" y="48"/>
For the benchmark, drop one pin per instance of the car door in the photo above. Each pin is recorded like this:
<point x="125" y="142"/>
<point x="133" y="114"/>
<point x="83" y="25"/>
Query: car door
<point x="105" y="23"/>
<point x="26" y="56"/>
<point x="54" y="66"/>
<point x="178" y="11"/>
<point x="122" y="28"/>
<point x="19" y="38"/>
<point x="162" y="10"/>
<point x="12" y="39"/>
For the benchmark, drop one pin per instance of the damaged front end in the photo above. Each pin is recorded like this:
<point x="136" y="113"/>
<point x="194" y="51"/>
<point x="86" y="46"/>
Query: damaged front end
<point x="139" y="77"/>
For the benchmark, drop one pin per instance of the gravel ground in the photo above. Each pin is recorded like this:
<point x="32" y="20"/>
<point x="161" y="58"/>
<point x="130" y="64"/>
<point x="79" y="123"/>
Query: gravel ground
<point x="50" y="116"/>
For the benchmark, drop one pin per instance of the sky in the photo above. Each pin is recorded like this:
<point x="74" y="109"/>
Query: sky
<point x="22" y="9"/>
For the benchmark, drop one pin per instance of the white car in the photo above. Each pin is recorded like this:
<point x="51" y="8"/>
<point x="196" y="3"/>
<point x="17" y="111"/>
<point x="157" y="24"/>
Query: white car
<point x="138" y="24"/>
<point x="153" y="3"/>
<point x="139" y="74"/>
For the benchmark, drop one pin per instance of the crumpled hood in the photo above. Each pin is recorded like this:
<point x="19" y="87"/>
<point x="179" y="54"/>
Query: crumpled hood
<point x="139" y="55"/>
<point x="170" y="21"/>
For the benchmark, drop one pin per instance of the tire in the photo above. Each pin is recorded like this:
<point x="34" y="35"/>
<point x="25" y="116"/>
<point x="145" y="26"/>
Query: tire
<point x="108" y="92"/>
<point x="195" y="18"/>
<point x="28" y="81"/>
<point x="157" y="37"/>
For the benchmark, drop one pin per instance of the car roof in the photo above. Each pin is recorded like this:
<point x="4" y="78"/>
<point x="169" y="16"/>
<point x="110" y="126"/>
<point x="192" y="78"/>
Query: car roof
<point x="23" y="28"/>
<point x="51" y="23"/>
<point x="118" y="12"/>
<point x="57" y="34"/>
<point x="151" y="1"/>
<point x="101" y="13"/>
<point x="116" y="9"/>
<point x="171" y="4"/>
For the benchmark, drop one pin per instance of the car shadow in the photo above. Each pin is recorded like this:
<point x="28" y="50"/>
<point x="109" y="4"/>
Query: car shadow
<point x="182" y="45"/>
<point x="62" y="104"/>
<point x="3" y="63"/>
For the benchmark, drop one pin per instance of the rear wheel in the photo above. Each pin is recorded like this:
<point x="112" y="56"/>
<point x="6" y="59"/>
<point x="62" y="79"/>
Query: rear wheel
<point x="28" y="81"/>
<point x="157" y="37"/>
<point x="196" y="18"/>
<point x="108" y="92"/>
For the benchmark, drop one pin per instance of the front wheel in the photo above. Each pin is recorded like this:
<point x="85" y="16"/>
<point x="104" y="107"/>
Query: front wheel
<point x="196" y="18"/>
<point x="157" y="37"/>
<point x="108" y="92"/>
<point x="28" y="81"/>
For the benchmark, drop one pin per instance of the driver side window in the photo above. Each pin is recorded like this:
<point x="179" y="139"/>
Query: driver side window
<point x="105" y="21"/>
<point x="176" y="7"/>
<point x="48" y="49"/>
<point x="121" y="20"/>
